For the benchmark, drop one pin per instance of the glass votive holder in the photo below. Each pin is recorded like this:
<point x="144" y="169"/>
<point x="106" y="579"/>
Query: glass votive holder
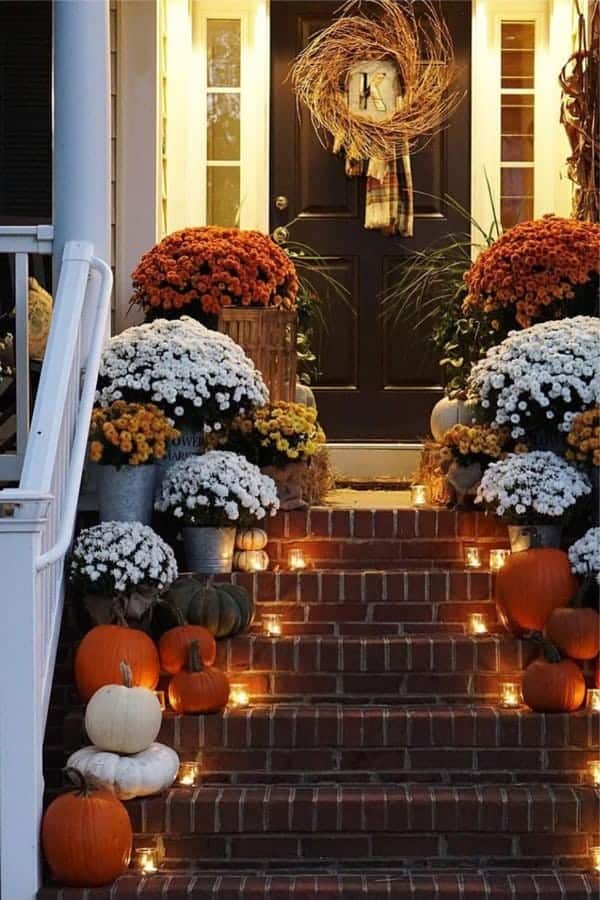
<point x="296" y="560"/>
<point x="498" y="559"/>
<point x="239" y="698"/>
<point x="272" y="625"/>
<point x="472" y="558"/>
<point x="477" y="624"/>
<point x="189" y="774"/>
<point x="593" y="700"/>
<point x="595" y="854"/>
<point x="510" y="695"/>
<point x="145" y="860"/>
<point x="161" y="697"/>
<point x="418" y="494"/>
<point x="594" y="772"/>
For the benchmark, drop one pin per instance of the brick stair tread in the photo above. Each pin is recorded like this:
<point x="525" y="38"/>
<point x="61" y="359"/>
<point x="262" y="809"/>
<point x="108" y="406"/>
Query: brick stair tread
<point x="448" y="884"/>
<point x="350" y="809"/>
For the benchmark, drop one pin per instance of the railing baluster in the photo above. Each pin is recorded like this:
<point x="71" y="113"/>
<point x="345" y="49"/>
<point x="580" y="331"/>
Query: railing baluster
<point x="22" y="350"/>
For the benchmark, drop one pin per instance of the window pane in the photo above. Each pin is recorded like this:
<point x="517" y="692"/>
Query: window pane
<point x="223" y="127"/>
<point x="517" y="120"/>
<point x="516" y="182"/>
<point x="223" y="195"/>
<point x="518" y="35"/>
<point x="515" y="209"/>
<point x="517" y="149"/>
<point x="224" y="52"/>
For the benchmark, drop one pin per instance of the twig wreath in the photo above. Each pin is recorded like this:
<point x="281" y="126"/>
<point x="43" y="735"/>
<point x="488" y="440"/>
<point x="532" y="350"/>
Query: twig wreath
<point x="418" y="46"/>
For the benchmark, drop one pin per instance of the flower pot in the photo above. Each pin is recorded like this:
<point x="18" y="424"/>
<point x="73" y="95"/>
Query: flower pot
<point x="447" y="413"/>
<point x="289" y="480"/>
<point x="189" y="444"/>
<point x="209" y="551"/>
<point x="464" y="479"/>
<point x="125" y="493"/>
<point x="530" y="537"/>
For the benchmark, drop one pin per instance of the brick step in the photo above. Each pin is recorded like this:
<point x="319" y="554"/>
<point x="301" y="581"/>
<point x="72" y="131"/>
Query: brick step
<point x="538" y="824"/>
<point x="380" y="553"/>
<point x="344" y="885"/>
<point x="428" y="523"/>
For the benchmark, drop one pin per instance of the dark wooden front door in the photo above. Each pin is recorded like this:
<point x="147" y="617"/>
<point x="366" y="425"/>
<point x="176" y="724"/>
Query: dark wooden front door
<point x="377" y="383"/>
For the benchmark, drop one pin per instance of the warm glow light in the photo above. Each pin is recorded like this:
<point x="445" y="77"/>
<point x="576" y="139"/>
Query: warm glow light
<point x="189" y="773"/>
<point x="272" y="625"/>
<point x="238" y="696"/>
<point x="160" y="696"/>
<point x="594" y="771"/>
<point x="296" y="559"/>
<point x="477" y="624"/>
<point x="595" y="851"/>
<point x="498" y="559"/>
<point x="418" y="494"/>
<point x="256" y="561"/>
<point x="145" y="860"/>
<point x="593" y="699"/>
<point x="472" y="558"/>
<point x="510" y="695"/>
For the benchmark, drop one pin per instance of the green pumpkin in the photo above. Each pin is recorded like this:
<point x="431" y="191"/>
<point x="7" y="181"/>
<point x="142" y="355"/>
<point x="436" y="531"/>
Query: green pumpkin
<point x="225" y="609"/>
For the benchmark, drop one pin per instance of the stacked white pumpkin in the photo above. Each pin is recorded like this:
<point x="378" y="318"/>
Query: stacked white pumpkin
<point x="122" y="722"/>
<point x="250" y="554"/>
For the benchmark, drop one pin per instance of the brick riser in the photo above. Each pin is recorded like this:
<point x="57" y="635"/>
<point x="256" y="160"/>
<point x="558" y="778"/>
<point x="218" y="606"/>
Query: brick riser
<point x="368" y="748"/>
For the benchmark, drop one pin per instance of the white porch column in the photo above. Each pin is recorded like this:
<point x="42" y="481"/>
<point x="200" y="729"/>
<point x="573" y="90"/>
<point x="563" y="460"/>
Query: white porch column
<point x="81" y="126"/>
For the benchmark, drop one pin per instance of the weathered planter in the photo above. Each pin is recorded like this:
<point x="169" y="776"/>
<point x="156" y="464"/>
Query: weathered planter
<point x="209" y="551"/>
<point x="125" y="493"/>
<point x="289" y="480"/>
<point x="530" y="537"/>
<point x="447" y="413"/>
<point x="268" y="337"/>
<point x="189" y="444"/>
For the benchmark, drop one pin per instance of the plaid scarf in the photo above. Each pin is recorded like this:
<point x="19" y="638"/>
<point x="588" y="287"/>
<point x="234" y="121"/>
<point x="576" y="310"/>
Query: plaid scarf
<point x="389" y="198"/>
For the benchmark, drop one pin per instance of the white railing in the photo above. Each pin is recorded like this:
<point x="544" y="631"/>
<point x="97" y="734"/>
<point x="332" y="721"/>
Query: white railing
<point x="36" y="527"/>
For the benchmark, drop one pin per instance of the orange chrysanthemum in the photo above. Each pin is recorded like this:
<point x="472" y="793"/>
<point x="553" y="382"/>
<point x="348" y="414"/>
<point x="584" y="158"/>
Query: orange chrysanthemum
<point x="584" y="437"/>
<point x="198" y="271"/>
<point x="536" y="268"/>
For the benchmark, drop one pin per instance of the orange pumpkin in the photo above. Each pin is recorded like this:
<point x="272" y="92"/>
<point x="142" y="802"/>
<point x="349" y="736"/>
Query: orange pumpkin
<point x="196" y="689"/>
<point x="553" y="686"/>
<point x="531" y="585"/>
<point x="576" y="632"/>
<point x="86" y="835"/>
<point x="174" y="647"/>
<point x="99" y="656"/>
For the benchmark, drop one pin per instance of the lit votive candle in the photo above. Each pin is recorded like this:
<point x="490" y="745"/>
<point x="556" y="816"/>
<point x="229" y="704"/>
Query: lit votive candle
<point x="594" y="772"/>
<point x="472" y="558"/>
<point x="189" y="774"/>
<point x="477" y="624"/>
<point x="272" y="625"/>
<point x="498" y="559"/>
<point x="160" y="696"/>
<point x="593" y="699"/>
<point x="146" y="860"/>
<point x="238" y="696"/>
<point x="510" y="695"/>
<point x="296" y="559"/>
<point x="418" y="494"/>
<point x="595" y="852"/>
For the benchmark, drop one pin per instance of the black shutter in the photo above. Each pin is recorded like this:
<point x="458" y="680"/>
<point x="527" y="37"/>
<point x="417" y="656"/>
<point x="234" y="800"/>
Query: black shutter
<point x="25" y="111"/>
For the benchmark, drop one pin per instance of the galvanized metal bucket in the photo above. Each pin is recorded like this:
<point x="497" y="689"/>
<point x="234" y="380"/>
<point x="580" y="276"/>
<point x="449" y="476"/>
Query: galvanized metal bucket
<point x="209" y="551"/>
<point x="189" y="444"/>
<point x="126" y="493"/>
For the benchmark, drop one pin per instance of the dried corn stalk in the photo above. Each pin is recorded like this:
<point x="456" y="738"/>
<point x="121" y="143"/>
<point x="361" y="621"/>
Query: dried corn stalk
<point x="580" y="115"/>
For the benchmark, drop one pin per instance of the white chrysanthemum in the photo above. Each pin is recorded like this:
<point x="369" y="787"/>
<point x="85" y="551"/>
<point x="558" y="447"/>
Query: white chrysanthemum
<point x="584" y="554"/>
<point x="546" y="373"/>
<point x="217" y="488"/>
<point x="119" y="557"/>
<point x="183" y="367"/>
<point x="536" y="486"/>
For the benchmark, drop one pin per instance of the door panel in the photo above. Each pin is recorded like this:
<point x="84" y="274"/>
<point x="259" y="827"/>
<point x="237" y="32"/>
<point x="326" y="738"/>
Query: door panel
<point x="378" y="383"/>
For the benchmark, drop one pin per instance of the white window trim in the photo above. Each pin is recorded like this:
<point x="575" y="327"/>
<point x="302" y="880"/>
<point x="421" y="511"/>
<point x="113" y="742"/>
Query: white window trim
<point x="554" y="30"/>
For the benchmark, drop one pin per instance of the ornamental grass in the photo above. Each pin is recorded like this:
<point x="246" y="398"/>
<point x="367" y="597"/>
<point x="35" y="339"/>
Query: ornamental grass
<point x="129" y="434"/>
<point x="537" y="271"/>
<point x="199" y="271"/>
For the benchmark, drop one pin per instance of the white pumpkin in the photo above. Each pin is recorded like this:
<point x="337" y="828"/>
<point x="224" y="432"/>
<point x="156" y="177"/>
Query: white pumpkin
<point x="139" y="775"/>
<point x="447" y="413"/>
<point x="251" y="539"/>
<point x="251" y="560"/>
<point x="121" y="718"/>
